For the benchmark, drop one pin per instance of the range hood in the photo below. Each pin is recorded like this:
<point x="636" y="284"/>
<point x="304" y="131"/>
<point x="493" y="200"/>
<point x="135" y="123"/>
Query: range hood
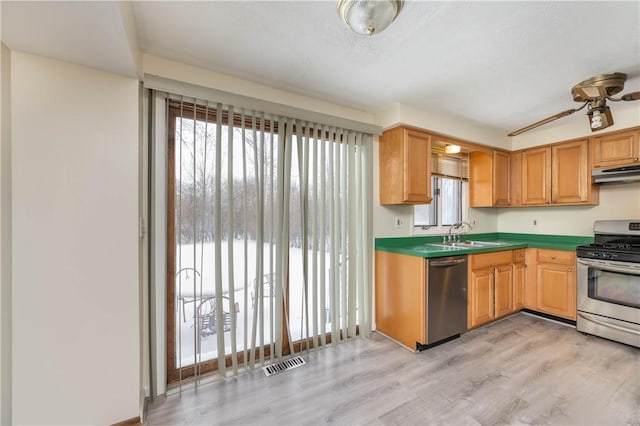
<point x="617" y="175"/>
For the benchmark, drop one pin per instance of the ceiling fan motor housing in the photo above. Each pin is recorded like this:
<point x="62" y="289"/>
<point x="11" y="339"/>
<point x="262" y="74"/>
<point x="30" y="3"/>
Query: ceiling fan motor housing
<point x="599" y="87"/>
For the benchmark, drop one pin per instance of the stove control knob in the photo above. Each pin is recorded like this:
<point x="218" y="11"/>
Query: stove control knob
<point x="605" y="255"/>
<point x="613" y="255"/>
<point x="592" y="254"/>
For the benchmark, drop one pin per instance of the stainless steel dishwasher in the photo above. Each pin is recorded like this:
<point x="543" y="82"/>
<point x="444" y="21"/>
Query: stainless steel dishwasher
<point x="446" y="281"/>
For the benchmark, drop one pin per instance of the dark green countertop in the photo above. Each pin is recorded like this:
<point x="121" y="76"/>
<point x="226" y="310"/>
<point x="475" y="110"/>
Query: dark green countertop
<point x="421" y="247"/>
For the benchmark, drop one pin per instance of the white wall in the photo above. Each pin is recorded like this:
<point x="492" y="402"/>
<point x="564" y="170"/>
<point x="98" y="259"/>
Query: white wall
<point x="5" y="235"/>
<point x="444" y="124"/>
<point x="215" y="80"/>
<point x="620" y="201"/>
<point x="75" y="249"/>
<point x="616" y="202"/>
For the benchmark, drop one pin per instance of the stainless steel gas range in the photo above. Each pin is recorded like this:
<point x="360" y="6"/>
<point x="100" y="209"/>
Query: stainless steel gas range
<point x="609" y="282"/>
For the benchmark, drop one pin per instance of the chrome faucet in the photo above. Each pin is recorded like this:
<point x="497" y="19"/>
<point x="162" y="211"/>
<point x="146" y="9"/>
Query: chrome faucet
<point x="458" y="225"/>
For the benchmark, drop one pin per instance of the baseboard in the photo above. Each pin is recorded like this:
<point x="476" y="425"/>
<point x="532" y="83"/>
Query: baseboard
<point x="134" y="421"/>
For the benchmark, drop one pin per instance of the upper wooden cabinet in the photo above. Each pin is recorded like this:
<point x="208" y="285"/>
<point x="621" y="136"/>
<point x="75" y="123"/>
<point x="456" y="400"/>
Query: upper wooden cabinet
<point x="558" y="174"/>
<point x="570" y="173"/>
<point x="405" y="175"/>
<point x="616" y="149"/>
<point x="536" y="176"/>
<point x="489" y="179"/>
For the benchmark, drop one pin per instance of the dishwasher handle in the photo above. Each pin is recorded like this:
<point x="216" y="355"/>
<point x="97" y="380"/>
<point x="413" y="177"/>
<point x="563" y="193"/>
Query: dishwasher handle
<point x="450" y="262"/>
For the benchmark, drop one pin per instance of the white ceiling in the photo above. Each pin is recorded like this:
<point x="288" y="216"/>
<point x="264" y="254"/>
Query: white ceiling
<point x="503" y="64"/>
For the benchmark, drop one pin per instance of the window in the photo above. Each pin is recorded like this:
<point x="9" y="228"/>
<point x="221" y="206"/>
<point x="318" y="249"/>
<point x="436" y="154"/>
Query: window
<point x="449" y="188"/>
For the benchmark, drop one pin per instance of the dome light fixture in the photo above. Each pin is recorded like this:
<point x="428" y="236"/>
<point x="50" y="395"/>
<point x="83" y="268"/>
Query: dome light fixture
<point x="368" y="17"/>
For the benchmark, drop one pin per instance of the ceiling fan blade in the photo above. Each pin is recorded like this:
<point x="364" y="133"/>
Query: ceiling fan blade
<point x="543" y="121"/>
<point x="633" y="96"/>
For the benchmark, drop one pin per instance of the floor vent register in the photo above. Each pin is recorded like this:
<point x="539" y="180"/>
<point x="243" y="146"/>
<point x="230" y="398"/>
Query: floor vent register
<point x="282" y="366"/>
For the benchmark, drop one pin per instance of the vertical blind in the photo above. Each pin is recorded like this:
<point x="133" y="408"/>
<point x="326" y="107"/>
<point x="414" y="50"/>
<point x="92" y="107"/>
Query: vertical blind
<point x="271" y="249"/>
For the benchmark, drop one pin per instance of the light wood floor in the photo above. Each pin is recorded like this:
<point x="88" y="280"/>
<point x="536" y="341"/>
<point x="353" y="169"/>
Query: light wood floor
<point x="521" y="370"/>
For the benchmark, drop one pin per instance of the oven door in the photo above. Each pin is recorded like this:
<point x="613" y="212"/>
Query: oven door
<point x="609" y="300"/>
<point x="609" y="288"/>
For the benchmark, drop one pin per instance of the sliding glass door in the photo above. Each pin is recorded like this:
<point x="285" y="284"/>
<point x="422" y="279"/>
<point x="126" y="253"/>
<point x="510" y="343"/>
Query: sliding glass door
<point x="262" y="219"/>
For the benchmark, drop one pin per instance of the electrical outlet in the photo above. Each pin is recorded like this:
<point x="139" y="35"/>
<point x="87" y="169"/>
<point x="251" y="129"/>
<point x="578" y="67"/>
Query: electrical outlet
<point x="535" y="222"/>
<point x="399" y="222"/>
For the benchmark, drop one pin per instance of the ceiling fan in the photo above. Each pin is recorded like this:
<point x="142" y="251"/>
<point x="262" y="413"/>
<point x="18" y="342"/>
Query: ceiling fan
<point x="594" y="93"/>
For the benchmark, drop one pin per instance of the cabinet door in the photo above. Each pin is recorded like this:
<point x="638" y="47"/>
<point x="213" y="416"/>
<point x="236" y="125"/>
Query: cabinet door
<point x="481" y="297"/>
<point x="556" y="285"/>
<point x="530" y="276"/>
<point x="518" y="286"/>
<point x="503" y="287"/>
<point x="516" y="179"/>
<point x="405" y="161"/>
<point x="400" y="297"/>
<point x="620" y="148"/>
<point x="417" y="175"/>
<point x="536" y="176"/>
<point x="480" y="179"/>
<point x="571" y="177"/>
<point x="501" y="178"/>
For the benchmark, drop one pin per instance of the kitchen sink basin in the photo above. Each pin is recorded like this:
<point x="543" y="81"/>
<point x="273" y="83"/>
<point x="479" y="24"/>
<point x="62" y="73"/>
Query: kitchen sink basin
<point x="467" y="244"/>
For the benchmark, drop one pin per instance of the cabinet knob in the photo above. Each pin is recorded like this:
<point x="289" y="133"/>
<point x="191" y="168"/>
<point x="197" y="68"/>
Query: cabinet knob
<point x="547" y="201"/>
<point x="553" y="257"/>
<point x="570" y="270"/>
<point x="636" y="159"/>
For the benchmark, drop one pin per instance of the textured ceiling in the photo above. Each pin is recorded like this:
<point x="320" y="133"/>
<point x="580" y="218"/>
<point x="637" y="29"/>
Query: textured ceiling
<point x="503" y="64"/>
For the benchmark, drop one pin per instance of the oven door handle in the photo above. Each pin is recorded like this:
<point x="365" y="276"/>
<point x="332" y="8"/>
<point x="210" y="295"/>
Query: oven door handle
<point x="610" y="267"/>
<point x="607" y="324"/>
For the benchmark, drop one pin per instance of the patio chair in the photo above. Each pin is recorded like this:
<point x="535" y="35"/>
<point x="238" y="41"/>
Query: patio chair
<point x="206" y="315"/>
<point x="204" y="303"/>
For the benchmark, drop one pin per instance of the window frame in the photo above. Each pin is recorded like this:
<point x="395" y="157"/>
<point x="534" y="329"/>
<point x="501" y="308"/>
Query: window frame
<point x="439" y="228"/>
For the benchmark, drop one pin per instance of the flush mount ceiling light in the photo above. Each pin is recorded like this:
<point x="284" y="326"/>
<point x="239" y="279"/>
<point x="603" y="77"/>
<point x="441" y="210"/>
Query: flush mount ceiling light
<point x="452" y="149"/>
<point x="368" y="17"/>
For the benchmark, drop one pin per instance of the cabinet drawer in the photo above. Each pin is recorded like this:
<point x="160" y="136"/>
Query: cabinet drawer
<point x="518" y="255"/>
<point x="483" y="260"/>
<point x="558" y="257"/>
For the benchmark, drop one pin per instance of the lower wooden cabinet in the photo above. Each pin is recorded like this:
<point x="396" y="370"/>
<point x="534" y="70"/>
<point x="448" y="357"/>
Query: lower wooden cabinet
<point x="481" y="295"/>
<point x="503" y="284"/>
<point x="519" y="266"/>
<point x="490" y="287"/>
<point x="400" y="297"/>
<point x="556" y="283"/>
<point x="499" y="283"/>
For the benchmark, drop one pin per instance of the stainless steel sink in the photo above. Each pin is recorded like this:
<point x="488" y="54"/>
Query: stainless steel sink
<point x="467" y="244"/>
